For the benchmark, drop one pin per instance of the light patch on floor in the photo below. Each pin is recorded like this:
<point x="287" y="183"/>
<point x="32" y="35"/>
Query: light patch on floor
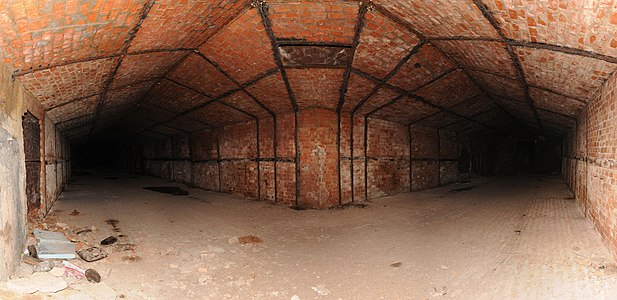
<point x="519" y="237"/>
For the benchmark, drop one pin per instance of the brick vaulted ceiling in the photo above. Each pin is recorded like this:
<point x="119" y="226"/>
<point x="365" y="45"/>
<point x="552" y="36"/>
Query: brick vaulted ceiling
<point x="163" y="67"/>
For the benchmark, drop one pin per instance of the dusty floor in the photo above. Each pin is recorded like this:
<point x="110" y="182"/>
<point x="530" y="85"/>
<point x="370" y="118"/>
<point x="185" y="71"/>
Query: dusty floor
<point x="521" y="237"/>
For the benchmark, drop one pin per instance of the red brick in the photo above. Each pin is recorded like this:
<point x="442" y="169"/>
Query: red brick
<point x="450" y="90"/>
<point x="357" y="89"/>
<point x="242" y="48"/>
<point x="173" y="97"/>
<point x="443" y="17"/>
<point x="316" y="87"/>
<point x="383" y="44"/>
<point x="425" y="65"/>
<point x="59" y="85"/>
<point x="488" y="56"/>
<point x="556" y="103"/>
<point x="314" y="21"/>
<point x="379" y="98"/>
<point x="271" y="91"/>
<point x="405" y="111"/>
<point x="238" y="141"/>
<point x="572" y="75"/>
<point x="74" y="109"/>
<point x="219" y="115"/>
<point x="136" y="68"/>
<point x="184" y="24"/>
<point x="202" y="76"/>
<point x="577" y="24"/>
<point x="34" y="36"/>
<point x="318" y="158"/>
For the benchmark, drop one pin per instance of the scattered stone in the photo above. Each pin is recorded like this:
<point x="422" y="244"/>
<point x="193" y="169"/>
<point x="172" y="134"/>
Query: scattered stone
<point x="321" y="290"/>
<point x="205" y="279"/>
<point x="93" y="276"/>
<point x="21" y="286"/>
<point x="396" y="264"/>
<point x="30" y="260"/>
<point x="249" y="239"/>
<point x="32" y="251"/>
<point x="43" y="266"/>
<point x="100" y="291"/>
<point x="202" y="270"/>
<point x="295" y="297"/>
<point x="443" y="267"/>
<point x="73" y="270"/>
<point x="47" y="283"/>
<point x="173" y="266"/>
<point x="57" y="271"/>
<point x="109" y="240"/>
<point x="234" y="240"/>
<point x="124" y="247"/>
<point x="24" y="270"/>
<point x="92" y="254"/>
<point x="74" y="213"/>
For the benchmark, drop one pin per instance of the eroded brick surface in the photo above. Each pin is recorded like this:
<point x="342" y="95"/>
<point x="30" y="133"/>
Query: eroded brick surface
<point x="475" y="106"/>
<point x="387" y="139"/>
<point x="318" y="158"/>
<point x="315" y="56"/>
<point x="383" y="44"/>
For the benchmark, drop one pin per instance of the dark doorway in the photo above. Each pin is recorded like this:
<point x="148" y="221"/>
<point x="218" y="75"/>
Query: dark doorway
<point x="32" y="149"/>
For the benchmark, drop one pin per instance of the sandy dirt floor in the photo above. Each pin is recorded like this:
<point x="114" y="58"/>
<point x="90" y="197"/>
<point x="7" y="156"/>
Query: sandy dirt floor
<point x="493" y="238"/>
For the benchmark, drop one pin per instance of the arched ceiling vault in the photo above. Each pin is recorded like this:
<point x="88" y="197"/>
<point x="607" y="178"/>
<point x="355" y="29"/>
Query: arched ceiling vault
<point x="157" y="68"/>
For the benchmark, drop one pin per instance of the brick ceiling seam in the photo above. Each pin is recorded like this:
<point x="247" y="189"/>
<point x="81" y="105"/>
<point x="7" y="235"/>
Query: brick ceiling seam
<point x="393" y="101"/>
<point x="410" y="28"/>
<point x="127" y="43"/>
<point x="416" y="97"/>
<point x="392" y="72"/>
<point x="517" y="63"/>
<point x="458" y="104"/>
<point x="220" y="69"/>
<point x="179" y="62"/>
<point x="530" y="85"/>
<point x="262" y="9"/>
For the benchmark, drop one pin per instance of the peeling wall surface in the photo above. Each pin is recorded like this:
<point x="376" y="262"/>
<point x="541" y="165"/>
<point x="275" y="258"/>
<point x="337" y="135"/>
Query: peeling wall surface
<point x="15" y="101"/>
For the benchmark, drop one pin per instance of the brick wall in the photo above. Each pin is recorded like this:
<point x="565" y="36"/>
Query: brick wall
<point x="591" y="171"/>
<point x="226" y="160"/>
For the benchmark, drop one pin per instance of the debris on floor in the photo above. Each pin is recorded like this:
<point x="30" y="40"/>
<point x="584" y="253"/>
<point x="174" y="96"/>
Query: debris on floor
<point x="396" y="264"/>
<point x="74" y="271"/>
<point x="93" y="276"/>
<point x="109" y="240"/>
<point x="92" y="254"/>
<point x="249" y="239"/>
<point x="53" y="245"/>
<point x="74" y="213"/>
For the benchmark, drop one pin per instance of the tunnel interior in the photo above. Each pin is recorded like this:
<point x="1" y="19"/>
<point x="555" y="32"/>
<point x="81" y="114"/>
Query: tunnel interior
<point x="305" y="104"/>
